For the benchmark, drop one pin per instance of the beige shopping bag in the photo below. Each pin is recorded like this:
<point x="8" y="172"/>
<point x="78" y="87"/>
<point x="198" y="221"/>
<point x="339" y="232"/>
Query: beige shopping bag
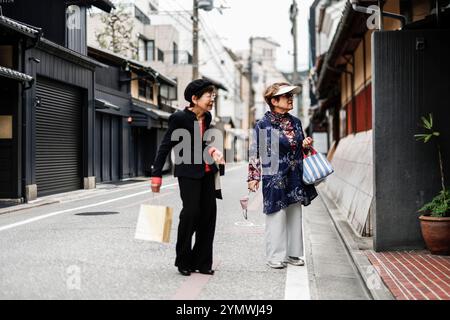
<point x="154" y="223"/>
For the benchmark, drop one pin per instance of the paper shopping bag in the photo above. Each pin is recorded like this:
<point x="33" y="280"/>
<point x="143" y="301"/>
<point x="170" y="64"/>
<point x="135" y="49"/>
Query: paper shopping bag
<point x="154" y="223"/>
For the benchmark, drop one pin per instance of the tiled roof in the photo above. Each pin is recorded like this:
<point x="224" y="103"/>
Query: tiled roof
<point x="18" y="26"/>
<point x="12" y="74"/>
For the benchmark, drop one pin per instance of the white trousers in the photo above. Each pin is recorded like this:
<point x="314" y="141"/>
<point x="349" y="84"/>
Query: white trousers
<point x="284" y="234"/>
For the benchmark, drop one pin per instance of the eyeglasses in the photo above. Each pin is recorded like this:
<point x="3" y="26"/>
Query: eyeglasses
<point x="288" y="95"/>
<point x="210" y="96"/>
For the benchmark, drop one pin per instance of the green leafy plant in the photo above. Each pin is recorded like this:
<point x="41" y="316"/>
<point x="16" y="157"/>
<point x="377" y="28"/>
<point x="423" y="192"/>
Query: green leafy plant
<point x="440" y="205"/>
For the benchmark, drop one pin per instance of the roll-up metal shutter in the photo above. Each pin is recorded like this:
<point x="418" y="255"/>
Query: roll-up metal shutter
<point x="107" y="147"/>
<point x="58" y="137"/>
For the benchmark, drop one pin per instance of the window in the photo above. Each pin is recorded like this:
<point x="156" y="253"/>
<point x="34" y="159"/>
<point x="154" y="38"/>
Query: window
<point x="142" y="49"/>
<point x="6" y="127"/>
<point x="150" y="50"/>
<point x="267" y="53"/>
<point x="145" y="89"/>
<point x="142" y="17"/>
<point x="167" y="94"/>
<point x="172" y="93"/>
<point x="175" y="53"/>
<point x="164" y="91"/>
<point x="146" y="50"/>
<point x="160" y="55"/>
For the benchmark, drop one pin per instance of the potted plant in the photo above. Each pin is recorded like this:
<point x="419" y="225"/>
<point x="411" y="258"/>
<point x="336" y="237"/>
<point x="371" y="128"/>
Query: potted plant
<point x="435" y="218"/>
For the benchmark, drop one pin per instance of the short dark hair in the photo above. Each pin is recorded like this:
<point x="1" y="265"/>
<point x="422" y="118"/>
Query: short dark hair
<point x="208" y="89"/>
<point x="198" y="88"/>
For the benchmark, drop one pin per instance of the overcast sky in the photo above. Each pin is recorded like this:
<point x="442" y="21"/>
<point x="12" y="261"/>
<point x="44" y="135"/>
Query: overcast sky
<point x="265" y="18"/>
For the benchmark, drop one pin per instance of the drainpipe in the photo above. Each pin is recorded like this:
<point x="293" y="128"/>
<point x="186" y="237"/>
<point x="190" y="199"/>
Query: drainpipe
<point x="352" y="79"/>
<point x="438" y="9"/>
<point x="368" y="10"/>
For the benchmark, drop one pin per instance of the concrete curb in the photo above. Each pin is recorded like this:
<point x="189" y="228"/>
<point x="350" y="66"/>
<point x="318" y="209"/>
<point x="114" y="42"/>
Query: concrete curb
<point x="70" y="196"/>
<point x="25" y="206"/>
<point x="360" y="260"/>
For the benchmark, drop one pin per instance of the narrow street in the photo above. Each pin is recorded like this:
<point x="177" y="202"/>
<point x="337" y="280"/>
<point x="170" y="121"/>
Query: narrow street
<point x="85" y="249"/>
<point x="108" y="97"/>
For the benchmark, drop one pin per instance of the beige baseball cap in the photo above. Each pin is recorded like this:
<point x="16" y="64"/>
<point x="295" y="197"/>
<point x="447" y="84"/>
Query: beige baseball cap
<point x="286" y="89"/>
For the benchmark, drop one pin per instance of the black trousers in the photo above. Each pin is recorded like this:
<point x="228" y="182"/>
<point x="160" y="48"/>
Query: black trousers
<point x="197" y="216"/>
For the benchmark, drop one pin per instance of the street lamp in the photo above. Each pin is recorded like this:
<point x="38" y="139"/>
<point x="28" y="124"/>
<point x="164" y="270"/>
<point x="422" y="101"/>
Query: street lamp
<point x="206" y="5"/>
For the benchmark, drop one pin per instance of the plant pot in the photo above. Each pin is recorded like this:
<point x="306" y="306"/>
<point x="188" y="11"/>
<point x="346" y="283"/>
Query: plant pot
<point x="436" y="233"/>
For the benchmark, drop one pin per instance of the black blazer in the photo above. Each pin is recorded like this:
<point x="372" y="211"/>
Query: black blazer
<point x="184" y="119"/>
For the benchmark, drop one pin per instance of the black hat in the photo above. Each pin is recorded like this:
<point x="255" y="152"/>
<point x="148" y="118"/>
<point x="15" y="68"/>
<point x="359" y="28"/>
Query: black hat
<point x="195" y="87"/>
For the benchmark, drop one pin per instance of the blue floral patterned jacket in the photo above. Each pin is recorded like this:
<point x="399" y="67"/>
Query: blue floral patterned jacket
<point x="280" y="165"/>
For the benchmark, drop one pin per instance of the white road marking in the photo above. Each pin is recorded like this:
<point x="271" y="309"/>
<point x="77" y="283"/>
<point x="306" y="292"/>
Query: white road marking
<point x="297" y="280"/>
<point x="21" y="223"/>
<point x="297" y="283"/>
<point x="45" y="216"/>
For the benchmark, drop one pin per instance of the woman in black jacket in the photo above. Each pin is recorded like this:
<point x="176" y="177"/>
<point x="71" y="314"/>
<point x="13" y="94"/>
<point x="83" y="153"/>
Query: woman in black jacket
<point x="196" y="178"/>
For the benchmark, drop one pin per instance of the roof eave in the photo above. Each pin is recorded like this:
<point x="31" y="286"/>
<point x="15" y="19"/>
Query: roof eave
<point x="52" y="47"/>
<point x="19" y="27"/>
<point x="15" y="75"/>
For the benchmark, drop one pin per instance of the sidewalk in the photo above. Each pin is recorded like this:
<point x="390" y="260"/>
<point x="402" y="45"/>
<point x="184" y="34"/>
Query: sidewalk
<point x="332" y="272"/>
<point x="401" y="275"/>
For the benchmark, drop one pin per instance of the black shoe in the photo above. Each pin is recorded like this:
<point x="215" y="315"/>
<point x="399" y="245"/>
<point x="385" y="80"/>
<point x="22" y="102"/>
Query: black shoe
<point x="184" y="272"/>
<point x="209" y="271"/>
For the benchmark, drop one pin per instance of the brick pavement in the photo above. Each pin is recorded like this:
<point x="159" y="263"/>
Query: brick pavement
<point x="413" y="275"/>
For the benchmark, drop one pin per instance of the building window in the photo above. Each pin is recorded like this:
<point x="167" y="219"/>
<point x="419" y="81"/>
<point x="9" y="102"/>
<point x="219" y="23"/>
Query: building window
<point x="150" y="50"/>
<point x="145" y="89"/>
<point x="164" y="91"/>
<point x="267" y="53"/>
<point x="160" y="55"/>
<point x="172" y="93"/>
<point x="141" y="49"/>
<point x="175" y="53"/>
<point x="142" y="17"/>
<point x="6" y="127"/>
<point x="146" y="50"/>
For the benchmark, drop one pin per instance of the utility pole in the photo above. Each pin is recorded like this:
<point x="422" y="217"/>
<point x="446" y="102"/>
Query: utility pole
<point x="195" y="31"/>
<point x="293" y="16"/>
<point x="251" y="107"/>
<point x="295" y="76"/>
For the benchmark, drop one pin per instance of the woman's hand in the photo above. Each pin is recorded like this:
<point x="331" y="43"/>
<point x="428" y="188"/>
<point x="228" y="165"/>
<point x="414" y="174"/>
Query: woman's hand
<point x="218" y="157"/>
<point x="156" y="183"/>
<point x="156" y="188"/>
<point x="253" y="185"/>
<point x="307" y="142"/>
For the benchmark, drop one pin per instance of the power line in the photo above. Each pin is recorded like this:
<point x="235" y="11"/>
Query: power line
<point x="214" y="53"/>
<point x="208" y="40"/>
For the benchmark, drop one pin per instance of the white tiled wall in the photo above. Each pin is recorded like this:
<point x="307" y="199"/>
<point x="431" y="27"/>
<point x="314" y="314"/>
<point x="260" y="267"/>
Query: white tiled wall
<point x="351" y="184"/>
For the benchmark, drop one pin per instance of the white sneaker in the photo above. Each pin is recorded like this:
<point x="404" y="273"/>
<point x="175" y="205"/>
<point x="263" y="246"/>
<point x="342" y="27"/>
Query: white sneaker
<point x="276" y="265"/>
<point x="295" y="261"/>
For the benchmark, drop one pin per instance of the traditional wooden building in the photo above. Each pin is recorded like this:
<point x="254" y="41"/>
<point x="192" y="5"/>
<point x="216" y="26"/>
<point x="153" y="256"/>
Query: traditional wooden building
<point x="52" y="110"/>
<point x="133" y="104"/>
<point x="373" y="84"/>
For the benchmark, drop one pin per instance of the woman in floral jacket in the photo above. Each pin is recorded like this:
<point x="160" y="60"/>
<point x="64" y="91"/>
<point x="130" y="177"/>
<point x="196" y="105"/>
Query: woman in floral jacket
<point x="276" y="158"/>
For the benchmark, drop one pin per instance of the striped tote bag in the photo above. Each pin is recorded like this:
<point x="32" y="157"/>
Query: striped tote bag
<point x="316" y="167"/>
